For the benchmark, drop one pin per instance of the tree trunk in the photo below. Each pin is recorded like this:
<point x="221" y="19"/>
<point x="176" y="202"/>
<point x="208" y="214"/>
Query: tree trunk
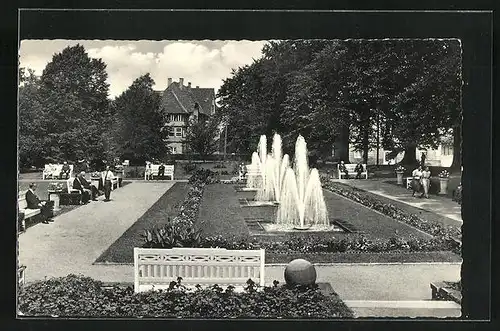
<point x="457" y="147"/>
<point x="343" y="146"/>
<point x="410" y="157"/>
<point x="365" y="144"/>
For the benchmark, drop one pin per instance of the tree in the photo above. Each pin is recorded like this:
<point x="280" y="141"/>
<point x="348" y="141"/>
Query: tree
<point x="202" y="136"/>
<point x="138" y="127"/>
<point x="32" y="134"/>
<point x="74" y="94"/>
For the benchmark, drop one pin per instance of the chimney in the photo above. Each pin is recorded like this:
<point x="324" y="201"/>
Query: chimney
<point x="181" y="82"/>
<point x="189" y="84"/>
<point x="169" y="81"/>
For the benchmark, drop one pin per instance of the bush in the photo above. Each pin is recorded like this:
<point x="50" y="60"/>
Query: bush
<point x="79" y="296"/>
<point x="189" y="167"/>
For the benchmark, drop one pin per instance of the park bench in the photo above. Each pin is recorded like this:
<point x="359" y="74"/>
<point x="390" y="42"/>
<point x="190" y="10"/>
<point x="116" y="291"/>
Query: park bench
<point x="53" y="171"/>
<point x="169" y="171"/>
<point x="23" y="208"/>
<point x="21" y="271"/>
<point x="350" y="170"/>
<point x="251" y="170"/>
<point x="156" y="268"/>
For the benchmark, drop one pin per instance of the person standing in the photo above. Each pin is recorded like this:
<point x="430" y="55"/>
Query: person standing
<point x="33" y="202"/>
<point x="415" y="181"/>
<point x="149" y="170"/>
<point x="426" y="182"/>
<point x="422" y="159"/>
<point x="107" y="176"/>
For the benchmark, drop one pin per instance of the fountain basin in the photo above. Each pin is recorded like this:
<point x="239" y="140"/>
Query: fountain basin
<point x="273" y="227"/>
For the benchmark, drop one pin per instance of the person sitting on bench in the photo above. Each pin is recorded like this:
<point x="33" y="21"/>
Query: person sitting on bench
<point x="78" y="185"/>
<point x="161" y="171"/>
<point x="344" y="169"/>
<point x="88" y="186"/>
<point x="65" y="170"/>
<point x="46" y="207"/>
<point x="359" y="170"/>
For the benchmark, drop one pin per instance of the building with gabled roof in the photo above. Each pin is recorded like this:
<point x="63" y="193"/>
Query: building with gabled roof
<point x="179" y="104"/>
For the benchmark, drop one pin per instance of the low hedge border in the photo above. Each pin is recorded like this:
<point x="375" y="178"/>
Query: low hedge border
<point x="434" y="228"/>
<point x="79" y="296"/>
<point x="179" y="232"/>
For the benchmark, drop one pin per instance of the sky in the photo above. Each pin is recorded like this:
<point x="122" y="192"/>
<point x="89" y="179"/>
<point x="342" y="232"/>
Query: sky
<point x="204" y="63"/>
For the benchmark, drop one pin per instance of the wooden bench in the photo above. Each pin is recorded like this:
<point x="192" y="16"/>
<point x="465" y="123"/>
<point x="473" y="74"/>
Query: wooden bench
<point x="156" y="268"/>
<point x="350" y="170"/>
<point x="169" y="171"/>
<point x="53" y="171"/>
<point x="21" y="271"/>
<point x="23" y="208"/>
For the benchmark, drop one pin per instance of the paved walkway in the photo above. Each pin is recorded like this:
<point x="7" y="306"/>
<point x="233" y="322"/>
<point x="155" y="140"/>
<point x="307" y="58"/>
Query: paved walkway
<point x="442" y="206"/>
<point x="77" y="238"/>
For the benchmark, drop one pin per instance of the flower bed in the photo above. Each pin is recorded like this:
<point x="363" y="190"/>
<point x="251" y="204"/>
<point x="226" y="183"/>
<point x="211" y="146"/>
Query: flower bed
<point x="434" y="228"/>
<point x="78" y="296"/>
<point x="179" y="232"/>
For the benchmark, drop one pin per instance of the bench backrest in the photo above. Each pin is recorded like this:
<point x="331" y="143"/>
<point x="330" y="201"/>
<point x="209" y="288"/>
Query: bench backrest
<point x="203" y="266"/>
<point x="252" y="169"/>
<point x="69" y="183"/>
<point x="351" y="166"/>
<point x="169" y="169"/>
<point x="56" y="169"/>
<point x="21" y="200"/>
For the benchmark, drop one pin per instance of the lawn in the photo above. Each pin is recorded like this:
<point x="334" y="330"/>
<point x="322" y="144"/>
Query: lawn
<point x="220" y="214"/>
<point x="121" y="251"/>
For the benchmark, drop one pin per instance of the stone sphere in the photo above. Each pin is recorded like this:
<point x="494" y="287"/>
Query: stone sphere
<point x="300" y="272"/>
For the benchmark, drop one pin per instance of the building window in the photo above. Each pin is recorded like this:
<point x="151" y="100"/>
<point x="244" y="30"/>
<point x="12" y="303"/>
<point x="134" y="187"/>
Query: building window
<point x="170" y="132"/>
<point x="446" y="150"/>
<point x="178" y="132"/>
<point x="175" y="118"/>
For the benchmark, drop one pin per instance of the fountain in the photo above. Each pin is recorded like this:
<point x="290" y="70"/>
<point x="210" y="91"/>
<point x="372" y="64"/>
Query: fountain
<point x="297" y="191"/>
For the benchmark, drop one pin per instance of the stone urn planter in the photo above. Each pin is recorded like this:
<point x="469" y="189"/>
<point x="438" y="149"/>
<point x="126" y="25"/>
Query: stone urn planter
<point x="443" y="185"/>
<point x="399" y="175"/>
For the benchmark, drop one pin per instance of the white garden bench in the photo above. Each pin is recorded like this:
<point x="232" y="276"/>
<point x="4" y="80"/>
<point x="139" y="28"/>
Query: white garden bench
<point x="252" y="170"/>
<point x="350" y="170"/>
<point x="23" y="208"/>
<point x="54" y="171"/>
<point x="169" y="171"/>
<point x="157" y="267"/>
<point x="21" y="272"/>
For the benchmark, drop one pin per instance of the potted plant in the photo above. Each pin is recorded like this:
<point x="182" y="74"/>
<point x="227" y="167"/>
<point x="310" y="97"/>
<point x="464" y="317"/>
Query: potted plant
<point x="444" y="177"/>
<point x="55" y="190"/>
<point x="399" y="173"/>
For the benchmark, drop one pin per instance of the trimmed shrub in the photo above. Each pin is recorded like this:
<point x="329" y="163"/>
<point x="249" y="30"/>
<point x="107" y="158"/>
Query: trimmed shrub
<point x="79" y="296"/>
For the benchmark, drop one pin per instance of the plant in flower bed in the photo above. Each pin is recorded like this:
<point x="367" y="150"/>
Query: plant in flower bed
<point x="57" y="187"/>
<point x="444" y="174"/>
<point x="434" y="228"/>
<point x="79" y="296"/>
<point x="400" y="168"/>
